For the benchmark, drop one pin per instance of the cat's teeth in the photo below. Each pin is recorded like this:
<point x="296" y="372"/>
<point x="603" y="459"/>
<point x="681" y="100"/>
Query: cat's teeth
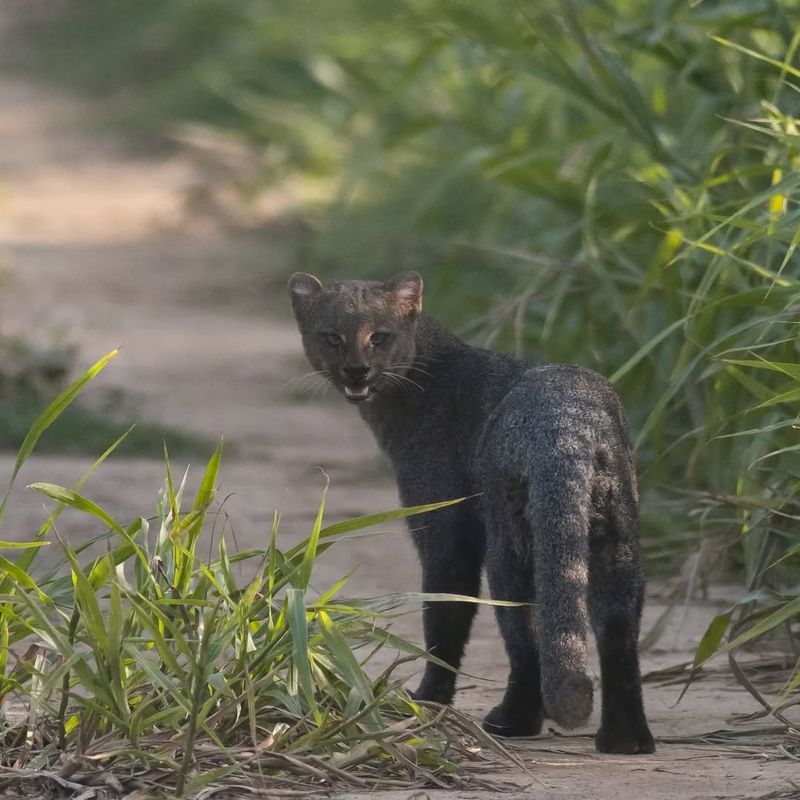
<point x="356" y="392"/>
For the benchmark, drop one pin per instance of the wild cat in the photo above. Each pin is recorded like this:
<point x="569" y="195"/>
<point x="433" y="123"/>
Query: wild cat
<point x="555" y="520"/>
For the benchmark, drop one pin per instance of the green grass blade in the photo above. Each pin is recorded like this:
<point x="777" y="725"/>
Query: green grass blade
<point x="22" y="545"/>
<point x="347" y="664"/>
<point x="48" y="417"/>
<point x="369" y="520"/>
<point x="19" y="576"/>
<point x="781" y="65"/>
<point x="298" y="627"/>
<point x="208" y="485"/>
<point x="789" y="369"/>
<point x="310" y="555"/>
<point x="72" y="499"/>
<point x="26" y="560"/>
<point x="778" y="617"/>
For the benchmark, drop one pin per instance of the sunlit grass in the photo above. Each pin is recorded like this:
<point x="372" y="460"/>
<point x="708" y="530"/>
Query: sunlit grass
<point x="156" y="667"/>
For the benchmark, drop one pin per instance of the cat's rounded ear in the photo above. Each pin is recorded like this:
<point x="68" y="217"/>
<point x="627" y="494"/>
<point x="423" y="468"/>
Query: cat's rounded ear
<point x="407" y="288"/>
<point x="302" y="288"/>
<point x="302" y="284"/>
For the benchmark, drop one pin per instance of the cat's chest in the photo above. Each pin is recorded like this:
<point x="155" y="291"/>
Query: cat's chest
<point x="414" y="437"/>
<point x="428" y="442"/>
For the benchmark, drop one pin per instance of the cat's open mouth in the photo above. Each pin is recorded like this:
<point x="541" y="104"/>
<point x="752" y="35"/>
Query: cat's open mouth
<point x="358" y="392"/>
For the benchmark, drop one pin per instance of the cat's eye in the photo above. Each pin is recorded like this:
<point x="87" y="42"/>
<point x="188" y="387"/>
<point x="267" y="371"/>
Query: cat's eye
<point x="379" y="338"/>
<point x="333" y="339"/>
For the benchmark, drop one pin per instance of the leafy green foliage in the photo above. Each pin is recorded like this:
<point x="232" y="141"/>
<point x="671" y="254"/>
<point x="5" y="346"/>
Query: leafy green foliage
<point x="763" y="612"/>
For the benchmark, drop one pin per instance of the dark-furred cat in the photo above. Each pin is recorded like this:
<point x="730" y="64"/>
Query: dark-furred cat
<point x="555" y="520"/>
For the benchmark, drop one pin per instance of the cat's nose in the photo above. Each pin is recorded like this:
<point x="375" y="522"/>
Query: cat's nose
<point x="355" y="374"/>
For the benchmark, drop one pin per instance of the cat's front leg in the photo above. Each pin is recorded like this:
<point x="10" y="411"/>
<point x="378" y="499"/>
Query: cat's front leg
<point x="451" y="553"/>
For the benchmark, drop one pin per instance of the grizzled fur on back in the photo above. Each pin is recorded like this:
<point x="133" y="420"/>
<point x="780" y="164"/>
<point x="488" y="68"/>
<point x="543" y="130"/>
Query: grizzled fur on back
<point x="555" y="521"/>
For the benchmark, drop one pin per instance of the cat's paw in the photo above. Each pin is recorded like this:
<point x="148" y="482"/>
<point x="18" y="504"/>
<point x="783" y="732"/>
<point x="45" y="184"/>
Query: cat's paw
<point x="427" y="693"/>
<point x="628" y="741"/>
<point x="502" y="722"/>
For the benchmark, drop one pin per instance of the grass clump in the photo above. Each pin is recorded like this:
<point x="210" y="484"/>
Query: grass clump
<point x="151" y="668"/>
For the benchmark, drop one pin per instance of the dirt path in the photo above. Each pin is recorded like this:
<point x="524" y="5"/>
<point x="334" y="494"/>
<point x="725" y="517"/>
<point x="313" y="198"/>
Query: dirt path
<point x="98" y="242"/>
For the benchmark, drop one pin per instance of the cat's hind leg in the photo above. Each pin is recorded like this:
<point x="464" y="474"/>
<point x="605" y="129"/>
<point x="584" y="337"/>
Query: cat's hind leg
<point x="510" y="572"/>
<point x="616" y="593"/>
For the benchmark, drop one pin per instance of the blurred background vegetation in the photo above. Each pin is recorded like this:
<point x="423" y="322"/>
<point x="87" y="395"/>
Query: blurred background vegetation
<point x="31" y="373"/>
<point x="609" y="183"/>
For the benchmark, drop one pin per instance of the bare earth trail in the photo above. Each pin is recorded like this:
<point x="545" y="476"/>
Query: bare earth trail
<point x="98" y="242"/>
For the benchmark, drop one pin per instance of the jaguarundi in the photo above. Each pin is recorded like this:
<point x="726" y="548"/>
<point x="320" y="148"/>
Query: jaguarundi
<point x="545" y="449"/>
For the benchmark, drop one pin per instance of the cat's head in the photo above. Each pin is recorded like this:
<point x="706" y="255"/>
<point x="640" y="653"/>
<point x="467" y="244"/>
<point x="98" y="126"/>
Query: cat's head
<point x="360" y="334"/>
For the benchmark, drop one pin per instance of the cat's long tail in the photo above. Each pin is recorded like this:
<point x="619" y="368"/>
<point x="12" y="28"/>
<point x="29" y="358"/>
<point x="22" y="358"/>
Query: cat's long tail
<point x="558" y="511"/>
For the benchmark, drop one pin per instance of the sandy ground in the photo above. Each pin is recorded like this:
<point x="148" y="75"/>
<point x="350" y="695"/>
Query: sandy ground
<point x="98" y="246"/>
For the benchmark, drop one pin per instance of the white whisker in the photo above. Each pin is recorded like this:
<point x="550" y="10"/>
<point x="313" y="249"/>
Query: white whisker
<point x="410" y="365"/>
<point x="404" y="380"/>
<point x="325" y="373"/>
